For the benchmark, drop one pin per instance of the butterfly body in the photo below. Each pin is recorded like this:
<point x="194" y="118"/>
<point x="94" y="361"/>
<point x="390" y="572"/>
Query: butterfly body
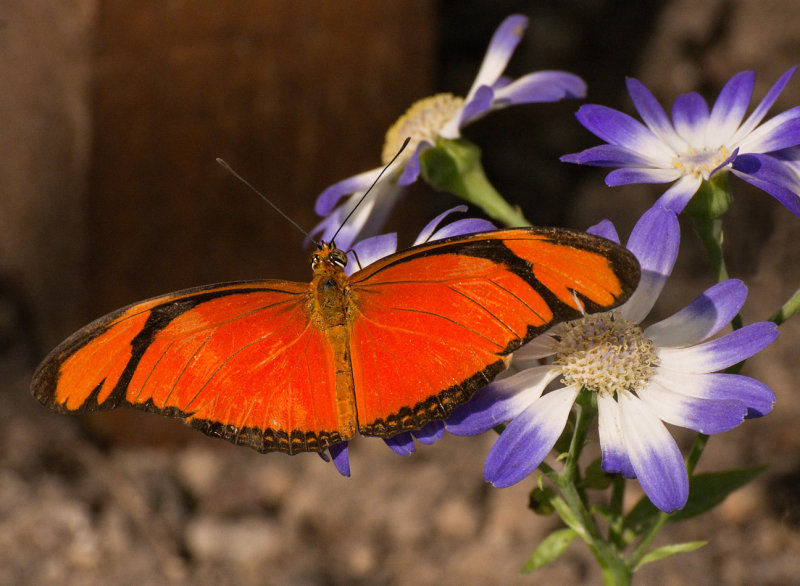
<point x="292" y="367"/>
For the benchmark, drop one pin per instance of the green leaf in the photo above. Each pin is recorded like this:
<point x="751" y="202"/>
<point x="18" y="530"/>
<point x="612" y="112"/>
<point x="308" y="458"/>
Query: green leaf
<point x="595" y="478"/>
<point x="667" y="550"/>
<point x="706" y="491"/>
<point x="549" y="550"/>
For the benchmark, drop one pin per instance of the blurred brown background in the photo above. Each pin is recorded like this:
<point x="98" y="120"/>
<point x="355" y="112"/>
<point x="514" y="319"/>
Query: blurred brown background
<point x="113" y="113"/>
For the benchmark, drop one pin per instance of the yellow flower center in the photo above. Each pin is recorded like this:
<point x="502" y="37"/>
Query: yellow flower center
<point x="700" y="162"/>
<point x="422" y="121"/>
<point x="604" y="352"/>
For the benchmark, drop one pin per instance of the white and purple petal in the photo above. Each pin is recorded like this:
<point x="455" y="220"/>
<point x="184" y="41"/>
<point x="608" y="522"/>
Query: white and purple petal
<point x="773" y="176"/>
<point x="654" y="241"/>
<point x="618" y="128"/>
<point x="529" y="438"/>
<point x="632" y="175"/>
<point x="474" y="108"/>
<point x="697" y="413"/>
<point x="501" y="48"/>
<point x="780" y="132"/>
<point x="721" y="352"/>
<point x="731" y="105"/>
<point x="501" y="401"/>
<point x="653" y="114"/>
<point x="678" y="195"/>
<point x="612" y="441"/>
<point x="719" y="386"/>
<point x="541" y="86"/>
<point x="654" y="455"/>
<point x="764" y="106"/>
<point x="702" y="318"/>
<point x="608" y="155"/>
<point x="328" y="199"/>
<point x="690" y="118"/>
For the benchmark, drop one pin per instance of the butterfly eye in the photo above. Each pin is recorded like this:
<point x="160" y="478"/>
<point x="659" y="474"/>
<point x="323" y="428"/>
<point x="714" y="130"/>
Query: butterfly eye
<point x="338" y="258"/>
<point x="315" y="261"/>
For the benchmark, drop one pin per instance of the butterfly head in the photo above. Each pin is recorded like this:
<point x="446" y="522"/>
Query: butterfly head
<point x="327" y="254"/>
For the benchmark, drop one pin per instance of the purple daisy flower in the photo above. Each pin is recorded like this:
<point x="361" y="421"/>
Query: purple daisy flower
<point x="643" y="377"/>
<point x="697" y="144"/>
<point x="367" y="252"/>
<point x="442" y="115"/>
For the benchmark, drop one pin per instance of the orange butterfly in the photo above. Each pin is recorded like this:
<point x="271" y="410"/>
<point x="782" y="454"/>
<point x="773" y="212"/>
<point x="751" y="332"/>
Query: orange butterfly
<point x="295" y="367"/>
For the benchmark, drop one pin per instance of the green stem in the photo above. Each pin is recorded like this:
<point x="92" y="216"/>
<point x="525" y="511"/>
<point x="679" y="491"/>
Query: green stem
<point x="706" y="210"/>
<point x="573" y="509"/>
<point x="788" y="310"/>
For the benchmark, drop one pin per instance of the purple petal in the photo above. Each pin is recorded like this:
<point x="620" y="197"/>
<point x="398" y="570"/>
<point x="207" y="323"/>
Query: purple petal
<point x="654" y="241"/>
<point x="631" y="175"/>
<point x="328" y="199"/>
<point x="401" y="444"/>
<point x="619" y="129"/>
<point x="719" y="386"/>
<point x="426" y="233"/>
<point x="502" y="46"/>
<point x="340" y="458"/>
<point x="653" y="114"/>
<point x="721" y="352"/>
<point x="367" y="251"/>
<point x="612" y="442"/>
<point x="542" y="86"/>
<point x="463" y="226"/>
<point x="729" y="109"/>
<point x="773" y="176"/>
<point x="367" y="220"/>
<point x="690" y="117"/>
<point x="654" y="455"/>
<point x="529" y="438"/>
<point x="430" y="433"/>
<point x="501" y="401"/>
<point x="702" y="318"/>
<point x="478" y="105"/>
<point x="780" y="132"/>
<point x="607" y="155"/>
<point x="700" y="414"/>
<point x="764" y="106"/>
<point x="411" y="170"/>
<point x="678" y="195"/>
<point x="606" y="229"/>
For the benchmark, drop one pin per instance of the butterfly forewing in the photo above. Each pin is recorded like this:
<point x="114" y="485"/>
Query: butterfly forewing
<point x="436" y="321"/>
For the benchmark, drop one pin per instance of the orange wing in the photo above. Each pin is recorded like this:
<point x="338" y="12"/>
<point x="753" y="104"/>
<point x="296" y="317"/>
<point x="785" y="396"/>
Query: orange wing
<point x="436" y="321"/>
<point x="238" y="361"/>
<point x="290" y="367"/>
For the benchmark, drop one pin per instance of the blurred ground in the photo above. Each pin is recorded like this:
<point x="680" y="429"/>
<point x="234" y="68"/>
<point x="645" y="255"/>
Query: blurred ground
<point x="135" y="499"/>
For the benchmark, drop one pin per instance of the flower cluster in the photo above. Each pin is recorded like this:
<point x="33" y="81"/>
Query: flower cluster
<point x="642" y="376"/>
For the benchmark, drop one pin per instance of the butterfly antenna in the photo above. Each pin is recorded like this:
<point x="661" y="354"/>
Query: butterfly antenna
<point x="230" y="170"/>
<point x="366" y="193"/>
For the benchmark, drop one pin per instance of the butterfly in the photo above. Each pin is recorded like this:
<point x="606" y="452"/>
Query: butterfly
<point x="295" y="367"/>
